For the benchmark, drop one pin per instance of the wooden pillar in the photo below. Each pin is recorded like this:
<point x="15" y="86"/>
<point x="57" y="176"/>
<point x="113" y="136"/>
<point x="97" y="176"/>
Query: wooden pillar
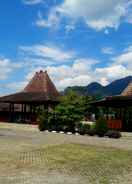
<point x="22" y="110"/>
<point x="30" y="108"/>
<point x="107" y="113"/>
<point x="24" y="113"/>
<point x="11" y="112"/>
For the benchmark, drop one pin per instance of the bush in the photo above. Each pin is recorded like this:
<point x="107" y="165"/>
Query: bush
<point x="86" y="128"/>
<point x="42" y="120"/>
<point x="83" y="128"/>
<point x="101" y="127"/>
<point x="113" y="134"/>
<point x="92" y="132"/>
<point x="79" y="128"/>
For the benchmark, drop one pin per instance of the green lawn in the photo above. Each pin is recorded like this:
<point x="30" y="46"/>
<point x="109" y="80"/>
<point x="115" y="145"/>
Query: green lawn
<point x="92" y="164"/>
<point x="28" y="156"/>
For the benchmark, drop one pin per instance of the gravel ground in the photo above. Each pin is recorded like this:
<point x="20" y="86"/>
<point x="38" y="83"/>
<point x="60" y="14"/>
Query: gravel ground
<point x="16" y="141"/>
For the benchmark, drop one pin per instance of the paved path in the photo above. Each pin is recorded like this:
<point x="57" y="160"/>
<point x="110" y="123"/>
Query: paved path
<point x="21" y="137"/>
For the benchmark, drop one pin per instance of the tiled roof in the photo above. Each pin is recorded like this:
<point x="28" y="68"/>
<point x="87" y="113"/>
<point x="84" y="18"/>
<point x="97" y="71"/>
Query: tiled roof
<point x="128" y="90"/>
<point x="41" y="83"/>
<point x="39" y="89"/>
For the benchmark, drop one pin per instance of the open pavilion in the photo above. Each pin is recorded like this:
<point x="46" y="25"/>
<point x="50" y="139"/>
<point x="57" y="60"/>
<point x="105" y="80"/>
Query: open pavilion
<point x="21" y="106"/>
<point x="120" y="104"/>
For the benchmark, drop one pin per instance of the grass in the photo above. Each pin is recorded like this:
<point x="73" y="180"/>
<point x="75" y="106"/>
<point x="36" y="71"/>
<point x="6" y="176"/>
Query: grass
<point x="33" y="157"/>
<point x="94" y="164"/>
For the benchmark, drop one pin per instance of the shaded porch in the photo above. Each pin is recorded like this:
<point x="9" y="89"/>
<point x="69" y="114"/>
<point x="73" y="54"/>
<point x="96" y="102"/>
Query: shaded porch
<point x="117" y="110"/>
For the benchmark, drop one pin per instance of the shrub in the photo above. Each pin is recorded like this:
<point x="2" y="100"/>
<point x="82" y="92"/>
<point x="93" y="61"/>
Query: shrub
<point x="92" y="132"/>
<point x="79" y="128"/>
<point x="93" y="126"/>
<point x="101" y="127"/>
<point x="83" y="128"/>
<point x="42" y="120"/>
<point x="113" y="134"/>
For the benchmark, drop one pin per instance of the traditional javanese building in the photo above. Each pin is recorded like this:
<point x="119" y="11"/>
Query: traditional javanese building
<point x="120" y="104"/>
<point x="21" y="106"/>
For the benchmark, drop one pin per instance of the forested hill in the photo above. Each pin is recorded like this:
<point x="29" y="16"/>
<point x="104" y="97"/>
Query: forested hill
<point x="96" y="89"/>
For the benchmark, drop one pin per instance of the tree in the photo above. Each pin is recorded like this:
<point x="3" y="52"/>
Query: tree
<point x="87" y="108"/>
<point x="68" y="113"/>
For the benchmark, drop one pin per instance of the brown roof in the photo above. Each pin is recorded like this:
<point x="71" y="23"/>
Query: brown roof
<point x="115" y="101"/>
<point x="41" y="83"/>
<point x="39" y="89"/>
<point x="128" y="90"/>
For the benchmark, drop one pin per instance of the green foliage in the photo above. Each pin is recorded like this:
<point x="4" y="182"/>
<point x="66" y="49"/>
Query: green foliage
<point x="128" y="119"/>
<point x="87" y="108"/>
<point x="93" y="126"/>
<point x="92" y="132"/>
<point x="69" y="112"/>
<point x="83" y="128"/>
<point x="101" y="126"/>
<point x="42" y="119"/>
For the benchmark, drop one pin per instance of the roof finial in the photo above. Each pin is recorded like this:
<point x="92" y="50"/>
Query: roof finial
<point x="41" y="71"/>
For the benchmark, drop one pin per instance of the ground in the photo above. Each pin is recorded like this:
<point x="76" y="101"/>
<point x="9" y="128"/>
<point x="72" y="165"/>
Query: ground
<point x="28" y="156"/>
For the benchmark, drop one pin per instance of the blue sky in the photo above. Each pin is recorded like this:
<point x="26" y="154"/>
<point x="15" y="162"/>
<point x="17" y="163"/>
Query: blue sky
<point x="76" y="41"/>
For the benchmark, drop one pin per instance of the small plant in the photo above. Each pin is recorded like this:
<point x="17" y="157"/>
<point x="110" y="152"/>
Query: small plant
<point x="79" y="128"/>
<point x="86" y="128"/>
<point x="42" y="120"/>
<point x="101" y="127"/>
<point x="113" y="134"/>
<point x="83" y="128"/>
<point x="92" y="132"/>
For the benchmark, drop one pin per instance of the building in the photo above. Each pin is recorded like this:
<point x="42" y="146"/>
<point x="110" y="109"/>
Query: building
<point x="21" y="106"/>
<point x="119" y="104"/>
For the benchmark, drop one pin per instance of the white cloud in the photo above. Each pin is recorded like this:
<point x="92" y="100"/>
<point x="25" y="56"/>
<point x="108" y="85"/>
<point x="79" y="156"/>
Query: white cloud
<point x="47" y="52"/>
<point x="107" y="50"/>
<point x="97" y="14"/>
<point x="69" y="28"/>
<point x="118" y="67"/>
<point x="113" y="72"/>
<point x="52" y="20"/>
<point x="17" y="86"/>
<point x="7" y="66"/>
<point x="82" y="71"/>
<point x="79" y="73"/>
<point x="35" y="62"/>
<point x="32" y="2"/>
<point x="125" y="58"/>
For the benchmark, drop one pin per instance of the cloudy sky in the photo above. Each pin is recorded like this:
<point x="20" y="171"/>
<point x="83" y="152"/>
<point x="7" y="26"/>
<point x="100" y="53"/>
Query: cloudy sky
<point x="76" y="41"/>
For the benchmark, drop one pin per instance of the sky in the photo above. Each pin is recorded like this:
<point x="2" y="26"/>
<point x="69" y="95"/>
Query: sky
<point x="76" y="41"/>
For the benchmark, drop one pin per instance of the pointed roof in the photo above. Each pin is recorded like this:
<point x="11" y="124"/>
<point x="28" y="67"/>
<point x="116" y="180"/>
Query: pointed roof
<point x="128" y="90"/>
<point x="41" y="83"/>
<point x="39" y="90"/>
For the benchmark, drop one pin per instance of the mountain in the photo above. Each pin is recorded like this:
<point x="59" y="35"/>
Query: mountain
<point x="96" y="89"/>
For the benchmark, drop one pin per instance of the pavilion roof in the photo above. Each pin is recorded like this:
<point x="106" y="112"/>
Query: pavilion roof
<point x="40" y="89"/>
<point x="128" y="90"/>
<point x="123" y="100"/>
<point x="115" y="101"/>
